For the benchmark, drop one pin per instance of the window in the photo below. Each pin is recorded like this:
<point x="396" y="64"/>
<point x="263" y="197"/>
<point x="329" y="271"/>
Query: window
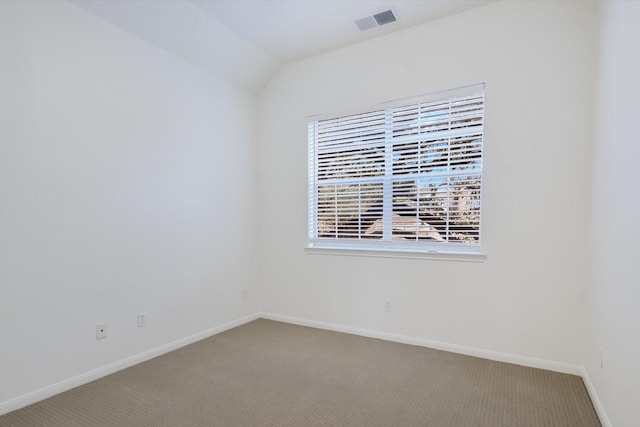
<point x="400" y="177"/>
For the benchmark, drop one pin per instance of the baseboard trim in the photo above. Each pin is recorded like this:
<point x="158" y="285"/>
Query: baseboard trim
<point x="532" y="362"/>
<point x="62" y="386"/>
<point x="595" y="399"/>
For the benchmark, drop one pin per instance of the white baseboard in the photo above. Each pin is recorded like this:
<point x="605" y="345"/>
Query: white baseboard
<point x="597" y="404"/>
<point x="532" y="362"/>
<point x="43" y="393"/>
<point x="51" y="390"/>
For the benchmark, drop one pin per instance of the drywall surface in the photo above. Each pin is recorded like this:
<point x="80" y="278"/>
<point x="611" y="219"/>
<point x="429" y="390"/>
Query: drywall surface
<point x="125" y="187"/>
<point x="614" y="326"/>
<point x="528" y="297"/>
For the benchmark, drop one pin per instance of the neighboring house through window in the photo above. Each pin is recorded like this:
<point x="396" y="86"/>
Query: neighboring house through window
<point x="405" y="176"/>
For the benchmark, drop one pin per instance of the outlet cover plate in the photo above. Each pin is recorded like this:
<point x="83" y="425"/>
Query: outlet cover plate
<point x="142" y="320"/>
<point x="101" y="331"/>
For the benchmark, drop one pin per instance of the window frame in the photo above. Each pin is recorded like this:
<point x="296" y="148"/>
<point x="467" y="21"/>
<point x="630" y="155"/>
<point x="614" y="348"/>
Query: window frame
<point x="386" y="246"/>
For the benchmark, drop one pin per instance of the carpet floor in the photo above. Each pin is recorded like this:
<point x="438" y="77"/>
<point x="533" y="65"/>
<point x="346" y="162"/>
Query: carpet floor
<point x="268" y="373"/>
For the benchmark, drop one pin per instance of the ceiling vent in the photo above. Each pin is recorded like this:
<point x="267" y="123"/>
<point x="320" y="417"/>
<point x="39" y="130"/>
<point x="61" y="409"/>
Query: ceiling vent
<point x="376" y="20"/>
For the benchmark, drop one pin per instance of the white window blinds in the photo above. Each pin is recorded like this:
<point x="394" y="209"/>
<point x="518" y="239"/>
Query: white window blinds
<point x="406" y="177"/>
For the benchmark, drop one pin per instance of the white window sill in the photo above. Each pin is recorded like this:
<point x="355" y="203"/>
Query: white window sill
<point x="387" y="253"/>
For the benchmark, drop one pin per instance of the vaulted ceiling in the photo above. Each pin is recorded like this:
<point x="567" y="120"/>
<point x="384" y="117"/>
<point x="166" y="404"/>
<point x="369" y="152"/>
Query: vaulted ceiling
<point x="245" y="41"/>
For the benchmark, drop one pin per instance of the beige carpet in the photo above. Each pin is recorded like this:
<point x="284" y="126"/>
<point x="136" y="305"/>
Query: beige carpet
<point x="268" y="373"/>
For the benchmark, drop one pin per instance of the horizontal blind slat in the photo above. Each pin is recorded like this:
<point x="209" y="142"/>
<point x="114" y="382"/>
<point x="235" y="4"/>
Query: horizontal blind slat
<point x="434" y="150"/>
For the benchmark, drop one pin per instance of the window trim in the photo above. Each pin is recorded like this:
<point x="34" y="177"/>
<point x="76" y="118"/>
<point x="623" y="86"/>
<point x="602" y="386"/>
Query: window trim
<point x="390" y="248"/>
<point x="395" y="253"/>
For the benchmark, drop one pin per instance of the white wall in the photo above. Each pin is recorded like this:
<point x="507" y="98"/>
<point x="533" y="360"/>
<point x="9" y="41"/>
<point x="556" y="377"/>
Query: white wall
<point x="614" y="324"/>
<point x="528" y="297"/>
<point x="125" y="185"/>
<point x="122" y="189"/>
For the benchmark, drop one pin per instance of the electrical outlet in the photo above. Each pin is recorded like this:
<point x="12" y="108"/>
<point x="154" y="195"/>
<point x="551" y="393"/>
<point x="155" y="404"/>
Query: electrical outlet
<point x="244" y="294"/>
<point x="101" y="331"/>
<point x="387" y="305"/>
<point x="142" y="320"/>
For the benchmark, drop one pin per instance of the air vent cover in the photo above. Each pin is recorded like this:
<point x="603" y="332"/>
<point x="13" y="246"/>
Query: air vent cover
<point x="385" y="17"/>
<point x="376" y="20"/>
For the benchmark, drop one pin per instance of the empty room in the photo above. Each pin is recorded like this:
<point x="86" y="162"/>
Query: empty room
<point x="319" y="213"/>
